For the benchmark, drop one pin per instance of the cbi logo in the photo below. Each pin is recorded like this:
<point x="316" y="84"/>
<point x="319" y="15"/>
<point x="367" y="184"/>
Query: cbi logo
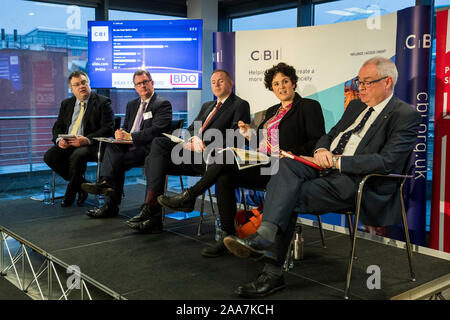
<point x="99" y="33"/>
<point x="414" y="41"/>
<point x="266" y="55"/>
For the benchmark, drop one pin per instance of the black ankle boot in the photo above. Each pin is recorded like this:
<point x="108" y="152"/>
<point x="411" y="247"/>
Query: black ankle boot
<point x="217" y="249"/>
<point x="180" y="202"/>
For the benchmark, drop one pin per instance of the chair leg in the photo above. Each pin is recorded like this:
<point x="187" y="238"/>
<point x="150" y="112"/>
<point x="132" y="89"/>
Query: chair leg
<point x="211" y="201"/>
<point x="163" y="211"/>
<point x="322" y="236"/>
<point x="408" y="242"/>
<point x="289" y="261"/>
<point x="53" y="187"/>
<point x="199" y="229"/>
<point x="181" y="183"/>
<point x="243" y="201"/>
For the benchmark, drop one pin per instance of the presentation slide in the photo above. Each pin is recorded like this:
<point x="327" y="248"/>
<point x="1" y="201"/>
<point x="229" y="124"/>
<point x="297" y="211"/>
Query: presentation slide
<point x="171" y="50"/>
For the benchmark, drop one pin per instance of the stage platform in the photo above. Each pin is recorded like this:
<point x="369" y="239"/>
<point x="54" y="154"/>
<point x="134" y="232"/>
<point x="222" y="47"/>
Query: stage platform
<point x="169" y="266"/>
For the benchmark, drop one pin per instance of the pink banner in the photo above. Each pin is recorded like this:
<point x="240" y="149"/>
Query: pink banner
<point x="440" y="204"/>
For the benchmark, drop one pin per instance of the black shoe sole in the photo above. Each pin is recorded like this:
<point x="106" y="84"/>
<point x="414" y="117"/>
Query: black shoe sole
<point x="175" y="208"/>
<point x="138" y="228"/>
<point x="252" y="295"/>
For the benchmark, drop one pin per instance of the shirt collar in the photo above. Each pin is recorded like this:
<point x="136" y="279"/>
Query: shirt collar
<point x="382" y="104"/>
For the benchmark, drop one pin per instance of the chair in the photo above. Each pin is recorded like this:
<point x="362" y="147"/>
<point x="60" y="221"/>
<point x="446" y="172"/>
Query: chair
<point x="178" y="124"/>
<point x="117" y="122"/>
<point x="353" y="226"/>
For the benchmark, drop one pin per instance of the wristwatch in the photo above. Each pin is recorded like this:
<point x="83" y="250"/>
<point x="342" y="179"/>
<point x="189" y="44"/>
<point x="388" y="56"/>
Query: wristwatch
<point x="335" y="159"/>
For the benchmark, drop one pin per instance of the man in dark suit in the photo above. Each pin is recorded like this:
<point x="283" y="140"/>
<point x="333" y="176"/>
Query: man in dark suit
<point x="216" y="116"/>
<point x="146" y="117"/>
<point x="84" y="116"/>
<point x="375" y="135"/>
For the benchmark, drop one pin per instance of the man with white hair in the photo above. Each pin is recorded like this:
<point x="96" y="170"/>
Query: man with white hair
<point x="375" y="135"/>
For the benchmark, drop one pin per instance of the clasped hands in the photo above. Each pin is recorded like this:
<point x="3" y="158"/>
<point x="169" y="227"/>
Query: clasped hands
<point x="76" y="142"/>
<point x="121" y="134"/>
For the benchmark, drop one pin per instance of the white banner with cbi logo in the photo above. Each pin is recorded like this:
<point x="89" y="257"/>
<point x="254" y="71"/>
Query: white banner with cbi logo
<point x="325" y="58"/>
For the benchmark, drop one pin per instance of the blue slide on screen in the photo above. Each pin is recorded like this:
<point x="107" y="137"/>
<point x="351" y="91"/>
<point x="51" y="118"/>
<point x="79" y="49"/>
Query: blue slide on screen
<point x="171" y="50"/>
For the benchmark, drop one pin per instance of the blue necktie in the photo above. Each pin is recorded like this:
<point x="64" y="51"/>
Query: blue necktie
<point x="345" y="138"/>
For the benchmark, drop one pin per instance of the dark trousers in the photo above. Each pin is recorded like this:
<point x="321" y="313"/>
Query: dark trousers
<point x="227" y="178"/>
<point x="160" y="162"/>
<point x="298" y="188"/>
<point x="71" y="164"/>
<point x="116" y="161"/>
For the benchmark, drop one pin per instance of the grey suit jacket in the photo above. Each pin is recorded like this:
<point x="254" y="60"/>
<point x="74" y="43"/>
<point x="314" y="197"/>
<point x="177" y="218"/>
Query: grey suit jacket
<point x="384" y="149"/>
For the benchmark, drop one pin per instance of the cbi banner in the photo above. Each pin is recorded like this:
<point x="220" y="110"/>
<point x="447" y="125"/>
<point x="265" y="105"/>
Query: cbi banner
<point x="440" y="202"/>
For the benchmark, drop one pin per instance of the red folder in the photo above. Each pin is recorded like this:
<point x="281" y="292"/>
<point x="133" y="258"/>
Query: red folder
<point x="300" y="159"/>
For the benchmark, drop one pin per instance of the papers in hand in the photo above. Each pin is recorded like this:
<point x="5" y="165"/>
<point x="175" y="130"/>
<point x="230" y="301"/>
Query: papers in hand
<point x="174" y="138"/>
<point x="67" y="136"/>
<point x="248" y="158"/>
<point x="300" y="159"/>
<point x="111" y="140"/>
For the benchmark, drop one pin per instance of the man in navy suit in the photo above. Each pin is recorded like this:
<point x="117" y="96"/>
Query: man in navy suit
<point x="84" y="116"/>
<point x="375" y="135"/>
<point x="147" y="117"/>
<point x="218" y="116"/>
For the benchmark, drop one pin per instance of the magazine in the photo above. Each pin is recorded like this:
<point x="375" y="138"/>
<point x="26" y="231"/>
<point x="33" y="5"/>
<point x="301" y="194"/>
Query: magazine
<point x="112" y="140"/>
<point x="174" y="138"/>
<point x="67" y="136"/>
<point x="248" y="158"/>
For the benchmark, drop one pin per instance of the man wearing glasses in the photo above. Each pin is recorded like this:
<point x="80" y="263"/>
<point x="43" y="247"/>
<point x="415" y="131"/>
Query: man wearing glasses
<point x="375" y="135"/>
<point x="146" y="117"/>
<point x="81" y="118"/>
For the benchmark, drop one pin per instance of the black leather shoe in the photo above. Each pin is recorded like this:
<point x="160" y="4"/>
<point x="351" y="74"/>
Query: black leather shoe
<point x="68" y="201"/>
<point x="103" y="188"/>
<point x="217" y="249"/>
<point x="152" y="225"/>
<point x="82" y="196"/>
<point x="145" y="213"/>
<point x="180" y="202"/>
<point x="103" y="212"/>
<point x="254" y="245"/>
<point x="266" y="284"/>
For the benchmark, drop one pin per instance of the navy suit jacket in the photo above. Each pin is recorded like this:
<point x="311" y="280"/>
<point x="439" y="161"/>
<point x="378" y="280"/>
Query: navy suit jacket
<point x="384" y="149"/>
<point x="229" y="114"/>
<point x="98" y="120"/>
<point x="154" y="126"/>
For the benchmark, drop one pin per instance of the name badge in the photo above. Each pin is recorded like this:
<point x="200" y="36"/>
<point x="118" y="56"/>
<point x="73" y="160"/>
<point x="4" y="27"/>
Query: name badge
<point x="148" y="115"/>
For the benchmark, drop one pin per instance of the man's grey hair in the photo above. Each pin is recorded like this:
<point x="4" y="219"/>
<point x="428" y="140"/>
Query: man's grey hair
<point x="385" y="67"/>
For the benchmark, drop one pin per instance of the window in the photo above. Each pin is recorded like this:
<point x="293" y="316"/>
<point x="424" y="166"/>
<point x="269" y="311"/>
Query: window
<point x="37" y="52"/>
<point x="271" y="20"/>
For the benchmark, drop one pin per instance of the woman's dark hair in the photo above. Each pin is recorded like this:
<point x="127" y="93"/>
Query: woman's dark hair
<point x="283" y="68"/>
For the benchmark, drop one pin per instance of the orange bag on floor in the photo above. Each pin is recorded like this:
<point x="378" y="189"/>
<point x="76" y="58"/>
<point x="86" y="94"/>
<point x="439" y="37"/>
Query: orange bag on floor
<point x="247" y="222"/>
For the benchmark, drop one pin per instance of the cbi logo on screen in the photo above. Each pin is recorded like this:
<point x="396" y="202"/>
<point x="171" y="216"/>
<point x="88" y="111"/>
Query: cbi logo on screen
<point x="99" y="33"/>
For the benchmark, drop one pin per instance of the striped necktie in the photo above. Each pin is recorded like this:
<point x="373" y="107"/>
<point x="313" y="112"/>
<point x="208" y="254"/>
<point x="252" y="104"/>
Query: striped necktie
<point x="210" y="117"/>
<point x="76" y="126"/>
<point x="345" y="138"/>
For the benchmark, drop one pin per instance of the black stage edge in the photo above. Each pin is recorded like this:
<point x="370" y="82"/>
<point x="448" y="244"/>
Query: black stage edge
<point x="168" y="266"/>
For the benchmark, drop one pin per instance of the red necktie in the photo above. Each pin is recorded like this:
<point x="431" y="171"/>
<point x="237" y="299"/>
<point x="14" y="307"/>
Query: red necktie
<point x="210" y="117"/>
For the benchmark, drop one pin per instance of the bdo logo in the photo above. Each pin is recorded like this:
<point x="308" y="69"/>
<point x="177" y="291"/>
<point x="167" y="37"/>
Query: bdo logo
<point x="99" y="33"/>
<point x="184" y="79"/>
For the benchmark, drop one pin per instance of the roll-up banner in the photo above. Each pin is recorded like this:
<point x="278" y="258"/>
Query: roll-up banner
<point x="440" y="202"/>
<point x="327" y="59"/>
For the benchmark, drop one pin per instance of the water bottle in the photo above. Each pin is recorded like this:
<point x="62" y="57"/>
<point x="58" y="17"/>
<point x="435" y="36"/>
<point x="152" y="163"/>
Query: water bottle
<point x="47" y="193"/>
<point x="298" y="243"/>
<point x="218" y="228"/>
<point x="100" y="200"/>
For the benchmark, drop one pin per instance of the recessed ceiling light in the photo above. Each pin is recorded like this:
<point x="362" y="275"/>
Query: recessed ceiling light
<point x="341" y="13"/>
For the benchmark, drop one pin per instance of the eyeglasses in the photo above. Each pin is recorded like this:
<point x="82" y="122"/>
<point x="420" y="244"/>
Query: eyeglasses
<point x="142" y="83"/>
<point x="368" y="84"/>
<point x="82" y="83"/>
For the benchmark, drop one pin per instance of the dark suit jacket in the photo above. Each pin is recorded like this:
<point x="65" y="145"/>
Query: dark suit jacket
<point x="229" y="114"/>
<point x="300" y="128"/>
<point x="384" y="149"/>
<point x="161" y="110"/>
<point x="98" y="120"/>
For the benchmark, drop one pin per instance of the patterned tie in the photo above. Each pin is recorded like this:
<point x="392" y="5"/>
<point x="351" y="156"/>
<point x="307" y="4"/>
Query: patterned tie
<point x="210" y="117"/>
<point x="78" y="121"/>
<point x="345" y="138"/>
<point x="138" y="121"/>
